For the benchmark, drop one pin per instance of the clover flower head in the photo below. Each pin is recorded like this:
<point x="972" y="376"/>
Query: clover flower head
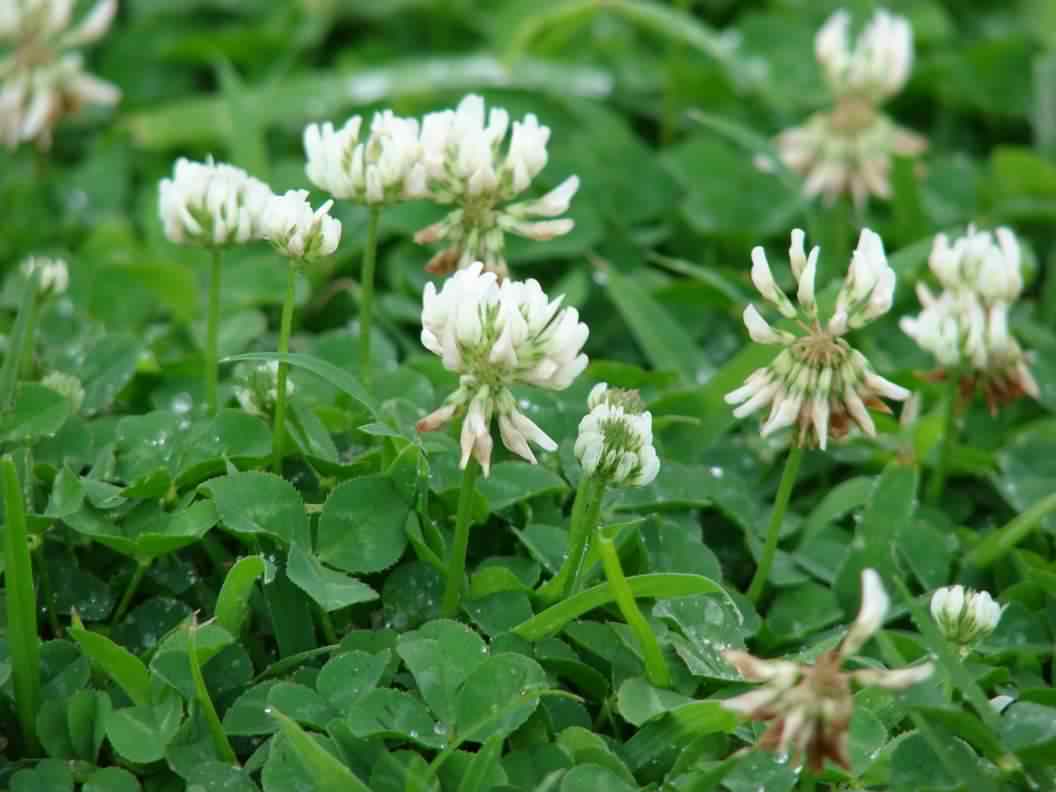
<point x="819" y="381"/>
<point x="43" y="78"/>
<point x="258" y="390"/>
<point x="295" y="230"/>
<point x="211" y="204"/>
<point x="469" y="165"/>
<point x="876" y="66"/>
<point x="384" y="168"/>
<point x="982" y="262"/>
<point x="809" y="707"/>
<point x="67" y="385"/>
<point x="495" y="336"/>
<point x="964" y="615"/>
<point x="615" y="438"/>
<point x="52" y="275"/>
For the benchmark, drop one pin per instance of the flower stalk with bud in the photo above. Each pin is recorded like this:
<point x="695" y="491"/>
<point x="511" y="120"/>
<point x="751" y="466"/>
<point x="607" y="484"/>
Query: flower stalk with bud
<point x="301" y="235"/>
<point x="495" y="336"/>
<point x="964" y="616"/>
<point x="382" y="169"/>
<point x="809" y="707"/>
<point x="818" y="382"/>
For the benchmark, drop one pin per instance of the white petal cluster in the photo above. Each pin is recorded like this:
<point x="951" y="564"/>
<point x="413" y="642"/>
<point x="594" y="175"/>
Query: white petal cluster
<point x="52" y="274"/>
<point x="849" y="149"/>
<point x="876" y="66"/>
<point x="810" y="706"/>
<point x="67" y="385"/>
<point x="818" y="381"/>
<point x="495" y="336"/>
<point x="469" y="164"/>
<point x="384" y="168"/>
<point x="257" y="389"/>
<point x="43" y="78"/>
<point x="295" y="230"/>
<point x="963" y="614"/>
<point x="615" y="440"/>
<point x="212" y="204"/>
<point x="966" y="325"/>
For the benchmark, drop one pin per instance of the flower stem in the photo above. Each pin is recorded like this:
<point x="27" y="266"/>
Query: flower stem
<point x="773" y="532"/>
<point x="585" y="512"/>
<point x="130" y="591"/>
<point x="201" y="694"/>
<point x="19" y="341"/>
<point x="1014" y="531"/>
<point x="278" y="434"/>
<point x="212" y="336"/>
<point x="655" y="665"/>
<point x="23" y="638"/>
<point x="366" y="304"/>
<point x="456" y="562"/>
<point x="949" y="432"/>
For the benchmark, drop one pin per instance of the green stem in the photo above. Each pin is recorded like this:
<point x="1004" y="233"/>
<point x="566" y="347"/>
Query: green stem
<point x="366" y="304"/>
<point x="27" y="353"/>
<point x="130" y="591"/>
<point x="585" y="512"/>
<point x="278" y="435"/>
<point x="1012" y="533"/>
<point x="20" y="339"/>
<point x="23" y="638"/>
<point x="456" y="562"/>
<point x="773" y="532"/>
<point x="216" y="728"/>
<point x="949" y="432"/>
<point x="212" y="336"/>
<point x="655" y="665"/>
<point x="807" y="780"/>
<point x="326" y="621"/>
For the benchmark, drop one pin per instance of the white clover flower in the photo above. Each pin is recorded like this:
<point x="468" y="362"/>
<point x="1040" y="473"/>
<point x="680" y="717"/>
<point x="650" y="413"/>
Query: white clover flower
<point x="43" y="77"/>
<point x="963" y="615"/>
<point x="384" y="168"/>
<point x="467" y="166"/>
<point x="847" y="152"/>
<point x="810" y="706"/>
<point x="495" y="336"/>
<point x="615" y="440"/>
<point x="66" y="385"/>
<point x="211" y="204"/>
<point x="879" y="63"/>
<point x="819" y="381"/>
<point x="52" y="274"/>
<point x="258" y="390"/>
<point x="295" y="230"/>
<point x="966" y="326"/>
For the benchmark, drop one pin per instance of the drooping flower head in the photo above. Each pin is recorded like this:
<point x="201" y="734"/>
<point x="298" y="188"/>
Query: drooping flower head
<point x="495" y="336"/>
<point x="295" y="230"/>
<point x="52" y="275"/>
<point x="42" y="78"/>
<point x="966" y="326"/>
<point x="819" y="381"/>
<point x="257" y="389"/>
<point x="470" y="165"/>
<point x="809" y="707"/>
<point x="849" y="149"/>
<point x="615" y="438"/>
<point x="963" y="614"/>
<point x="211" y="204"/>
<point x="383" y="168"/>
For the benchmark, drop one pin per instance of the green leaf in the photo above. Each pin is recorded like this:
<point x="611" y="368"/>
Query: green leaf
<point x="38" y="412"/>
<point x="677" y="727"/>
<point x="658" y="586"/>
<point x="496" y="698"/>
<point x="232" y="604"/>
<point x="1029" y="729"/>
<point x="50" y="775"/>
<point x="330" y="589"/>
<point x="664" y="342"/>
<point x="350" y="676"/>
<point x="108" y="367"/>
<point x="111" y="779"/>
<point x="260" y="503"/>
<point x="638" y="701"/>
<point x="514" y="482"/>
<point x="708" y="624"/>
<point x="335" y="376"/>
<point x="142" y="733"/>
<point x="440" y="655"/>
<point x="591" y="776"/>
<point x="325" y="770"/>
<point x="86" y="714"/>
<point x="393" y="714"/>
<point x="915" y="767"/>
<point x="127" y="670"/>
<point x="479" y="775"/>
<point x="361" y="525"/>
